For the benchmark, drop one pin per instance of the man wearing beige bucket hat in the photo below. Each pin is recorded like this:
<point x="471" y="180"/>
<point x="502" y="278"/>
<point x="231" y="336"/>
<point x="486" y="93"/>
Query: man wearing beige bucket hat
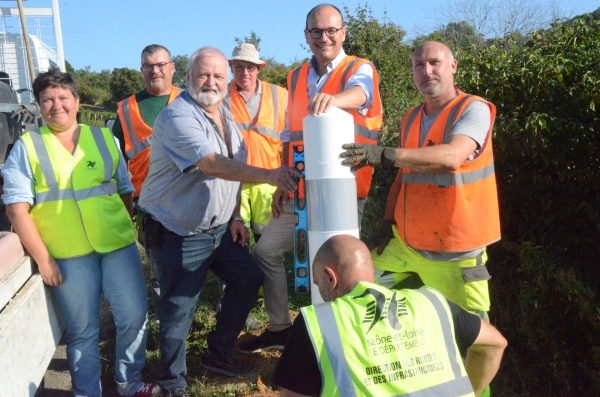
<point x="259" y="110"/>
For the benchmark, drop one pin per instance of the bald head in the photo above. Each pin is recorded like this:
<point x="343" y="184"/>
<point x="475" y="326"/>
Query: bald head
<point x="315" y="9"/>
<point x="204" y="52"/>
<point x="340" y="263"/>
<point x="433" y="45"/>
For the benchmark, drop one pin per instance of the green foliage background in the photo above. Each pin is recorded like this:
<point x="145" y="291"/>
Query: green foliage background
<point x="547" y="149"/>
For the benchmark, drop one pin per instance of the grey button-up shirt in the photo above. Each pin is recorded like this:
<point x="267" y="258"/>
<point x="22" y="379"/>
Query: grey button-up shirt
<point x="176" y="193"/>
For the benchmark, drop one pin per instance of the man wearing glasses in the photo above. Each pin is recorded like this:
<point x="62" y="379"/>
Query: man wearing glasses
<point x="330" y="78"/>
<point x="259" y="110"/>
<point x="136" y="114"/>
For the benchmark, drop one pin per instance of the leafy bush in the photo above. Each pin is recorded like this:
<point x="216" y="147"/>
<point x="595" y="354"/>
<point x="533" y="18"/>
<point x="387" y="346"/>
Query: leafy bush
<point x="547" y="150"/>
<point x="125" y="82"/>
<point x="547" y="137"/>
<point x="551" y="320"/>
<point x="382" y="44"/>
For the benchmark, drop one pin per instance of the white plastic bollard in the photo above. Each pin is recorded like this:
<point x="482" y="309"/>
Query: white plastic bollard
<point x="330" y="186"/>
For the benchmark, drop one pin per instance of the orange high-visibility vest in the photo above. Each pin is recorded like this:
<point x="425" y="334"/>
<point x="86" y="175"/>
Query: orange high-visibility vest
<point x="261" y="138"/>
<point x="454" y="211"/>
<point x="366" y="128"/>
<point x="138" y="138"/>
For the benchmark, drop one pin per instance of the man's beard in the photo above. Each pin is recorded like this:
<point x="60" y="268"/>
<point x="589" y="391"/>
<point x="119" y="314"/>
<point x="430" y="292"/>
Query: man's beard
<point x="432" y="90"/>
<point x="207" y="98"/>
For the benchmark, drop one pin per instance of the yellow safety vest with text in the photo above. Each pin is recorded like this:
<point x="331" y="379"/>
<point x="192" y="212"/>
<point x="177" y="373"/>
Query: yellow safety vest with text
<point x="77" y="209"/>
<point x="378" y="342"/>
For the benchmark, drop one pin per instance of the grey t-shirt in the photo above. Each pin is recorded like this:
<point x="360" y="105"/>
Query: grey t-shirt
<point x="474" y="122"/>
<point x="177" y="194"/>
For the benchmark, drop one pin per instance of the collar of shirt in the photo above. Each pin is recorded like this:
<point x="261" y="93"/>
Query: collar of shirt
<point x="314" y="81"/>
<point x="312" y="69"/>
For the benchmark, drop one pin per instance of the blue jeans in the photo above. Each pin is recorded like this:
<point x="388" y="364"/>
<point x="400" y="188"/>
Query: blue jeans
<point x="181" y="265"/>
<point x="119" y="277"/>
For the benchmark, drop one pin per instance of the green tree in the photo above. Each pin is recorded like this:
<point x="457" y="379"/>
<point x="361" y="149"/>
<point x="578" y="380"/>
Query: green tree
<point x="181" y="64"/>
<point x="382" y="43"/>
<point x="93" y="87"/>
<point x="69" y="68"/>
<point x="276" y="72"/>
<point x="253" y="39"/>
<point x="457" y="35"/>
<point x="125" y="82"/>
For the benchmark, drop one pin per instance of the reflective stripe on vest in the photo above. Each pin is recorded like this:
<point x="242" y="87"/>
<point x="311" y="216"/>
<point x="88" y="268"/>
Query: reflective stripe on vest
<point x="335" y="350"/>
<point x="243" y="126"/>
<point x="459" y="385"/>
<point x="137" y="145"/>
<point x="443" y="179"/>
<point x="55" y="194"/>
<point x="263" y="130"/>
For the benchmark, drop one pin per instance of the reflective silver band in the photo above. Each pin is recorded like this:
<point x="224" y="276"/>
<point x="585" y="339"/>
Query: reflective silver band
<point x="81" y="194"/>
<point x="452" y="118"/>
<point x="104" y="153"/>
<point x="329" y="204"/>
<point x="44" y="158"/>
<point x="445" y="179"/>
<point x="344" y="79"/>
<point x="359" y="130"/>
<point x="409" y="122"/>
<point x="453" y="388"/>
<point x="461" y="384"/>
<point x="275" y="97"/>
<point x="137" y="145"/>
<point x="260" y="129"/>
<point x="294" y="80"/>
<point x="54" y="193"/>
<point x="335" y="350"/>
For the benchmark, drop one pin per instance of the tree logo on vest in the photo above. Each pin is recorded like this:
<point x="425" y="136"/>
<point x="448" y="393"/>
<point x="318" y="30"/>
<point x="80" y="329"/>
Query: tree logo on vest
<point x="382" y="308"/>
<point x="91" y="165"/>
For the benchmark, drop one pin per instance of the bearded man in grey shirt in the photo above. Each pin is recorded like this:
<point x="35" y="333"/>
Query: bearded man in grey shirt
<point x="190" y="204"/>
<point x="442" y="209"/>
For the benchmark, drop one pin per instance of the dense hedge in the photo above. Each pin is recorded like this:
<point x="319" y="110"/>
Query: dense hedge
<point x="547" y="148"/>
<point x="547" y="134"/>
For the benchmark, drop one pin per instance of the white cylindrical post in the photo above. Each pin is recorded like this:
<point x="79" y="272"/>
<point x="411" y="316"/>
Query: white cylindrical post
<point x="330" y="186"/>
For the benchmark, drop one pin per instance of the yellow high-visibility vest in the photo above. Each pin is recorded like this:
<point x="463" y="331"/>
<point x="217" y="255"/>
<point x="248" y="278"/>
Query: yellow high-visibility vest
<point x="378" y="342"/>
<point x="77" y="209"/>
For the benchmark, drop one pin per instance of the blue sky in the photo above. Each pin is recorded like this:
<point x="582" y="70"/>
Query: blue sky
<point x="110" y="34"/>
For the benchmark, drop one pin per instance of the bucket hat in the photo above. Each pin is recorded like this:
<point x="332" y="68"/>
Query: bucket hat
<point x="246" y="52"/>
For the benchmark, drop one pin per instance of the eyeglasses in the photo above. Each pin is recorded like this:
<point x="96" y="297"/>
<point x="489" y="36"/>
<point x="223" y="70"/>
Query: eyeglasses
<point x="148" y="67"/>
<point x="241" y="68"/>
<point x="317" y="33"/>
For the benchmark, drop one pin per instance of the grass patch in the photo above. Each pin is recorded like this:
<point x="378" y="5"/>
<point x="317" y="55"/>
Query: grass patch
<point x="203" y="384"/>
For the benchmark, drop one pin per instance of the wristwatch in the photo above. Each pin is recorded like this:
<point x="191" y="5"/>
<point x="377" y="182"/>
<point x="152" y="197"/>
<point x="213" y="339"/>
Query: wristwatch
<point x="237" y="218"/>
